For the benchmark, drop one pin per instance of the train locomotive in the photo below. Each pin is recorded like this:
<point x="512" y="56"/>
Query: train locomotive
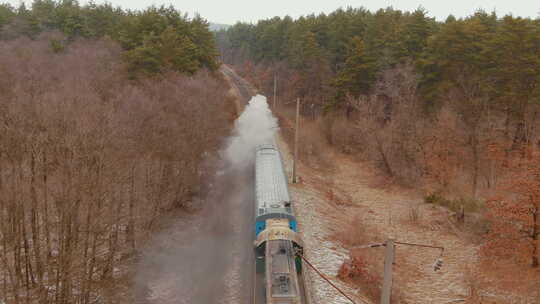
<point x="276" y="240"/>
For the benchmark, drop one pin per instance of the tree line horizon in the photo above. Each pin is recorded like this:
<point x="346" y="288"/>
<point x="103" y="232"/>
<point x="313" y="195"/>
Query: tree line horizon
<point x="451" y="108"/>
<point x="155" y="40"/>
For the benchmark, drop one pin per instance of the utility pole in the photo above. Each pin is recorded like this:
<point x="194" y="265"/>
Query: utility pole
<point x="389" y="255"/>
<point x="296" y="139"/>
<point x="275" y="89"/>
<point x="388" y="262"/>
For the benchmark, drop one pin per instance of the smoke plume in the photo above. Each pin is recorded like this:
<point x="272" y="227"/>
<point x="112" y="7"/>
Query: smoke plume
<point x="255" y="126"/>
<point x="207" y="256"/>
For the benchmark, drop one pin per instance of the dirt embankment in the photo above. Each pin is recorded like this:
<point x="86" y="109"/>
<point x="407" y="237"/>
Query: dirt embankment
<point x="329" y="203"/>
<point x="345" y="204"/>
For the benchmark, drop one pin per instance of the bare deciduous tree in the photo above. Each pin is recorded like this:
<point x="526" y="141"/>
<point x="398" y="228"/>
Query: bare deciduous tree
<point x="89" y="161"/>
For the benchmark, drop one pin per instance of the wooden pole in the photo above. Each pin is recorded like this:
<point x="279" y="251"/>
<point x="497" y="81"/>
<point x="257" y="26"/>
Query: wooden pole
<point x="461" y="216"/>
<point x="296" y="139"/>
<point x="388" y="263"/>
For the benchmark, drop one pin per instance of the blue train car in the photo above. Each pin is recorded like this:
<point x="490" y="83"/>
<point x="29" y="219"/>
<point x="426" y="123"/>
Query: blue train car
<point x="276" y="239"/>
<point x="272" y="199"/>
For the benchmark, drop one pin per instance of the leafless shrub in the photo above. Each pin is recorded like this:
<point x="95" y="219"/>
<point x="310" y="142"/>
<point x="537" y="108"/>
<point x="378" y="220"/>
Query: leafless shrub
<point x="363" y="266"/>
<point x="414" y="214"/>
<point x="472" y="280"/>
<point x="313" y="148"/>
<point x="89" y="161"/>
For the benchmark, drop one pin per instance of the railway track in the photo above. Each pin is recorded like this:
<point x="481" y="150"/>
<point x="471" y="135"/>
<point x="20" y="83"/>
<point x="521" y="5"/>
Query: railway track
<point x="245" y="90"/>
<point x="275" y="269"/>
<point x="275" y="226"/>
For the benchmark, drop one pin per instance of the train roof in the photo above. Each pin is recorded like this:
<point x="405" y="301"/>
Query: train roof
<point x="282" y="280"/>
<point x="271" y="188"/>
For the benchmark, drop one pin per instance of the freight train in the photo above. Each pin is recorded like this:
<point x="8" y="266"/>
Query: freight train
<point x="276" y="240"/>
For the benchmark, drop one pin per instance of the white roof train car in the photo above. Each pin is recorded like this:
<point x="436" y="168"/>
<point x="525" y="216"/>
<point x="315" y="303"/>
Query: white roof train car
<point x="275" y="229"/>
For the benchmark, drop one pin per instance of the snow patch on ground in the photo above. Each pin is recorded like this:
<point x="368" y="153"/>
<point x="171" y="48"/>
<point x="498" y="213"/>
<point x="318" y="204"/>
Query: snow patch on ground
<point x="388" y="214"/>
<point x="325" y="255"/>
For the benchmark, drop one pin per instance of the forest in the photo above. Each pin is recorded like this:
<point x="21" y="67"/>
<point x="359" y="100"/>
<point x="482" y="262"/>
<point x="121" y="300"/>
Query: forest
<point x="153" y="40"/>
<point x="451" y="108"/>
<point x="110" y="118"/>
<point x="90" y="98"/>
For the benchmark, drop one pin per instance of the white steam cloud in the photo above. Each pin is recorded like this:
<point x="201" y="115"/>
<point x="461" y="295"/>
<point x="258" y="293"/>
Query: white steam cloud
<point x="207" y="256"/>
<point x="255" y="126"/>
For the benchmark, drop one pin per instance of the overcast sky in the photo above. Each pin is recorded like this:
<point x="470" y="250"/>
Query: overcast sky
<point x="231" y="11"/>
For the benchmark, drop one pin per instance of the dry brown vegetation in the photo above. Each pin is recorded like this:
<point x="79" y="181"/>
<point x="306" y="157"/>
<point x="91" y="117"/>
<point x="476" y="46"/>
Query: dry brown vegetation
<point x="363" y="268"/>
<point x="89" y="161"/>
<point x="437" y="151"/>
<point x="458" y="159"/>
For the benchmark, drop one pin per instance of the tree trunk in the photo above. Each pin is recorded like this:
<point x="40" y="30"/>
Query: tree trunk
<point x="130" y="231"/>
<point x="46" y="214"/>
<point x="7" y="232"/>
<point x="113" y="247"/>
<point x="95" y="238"/>
<point x="16" y="230"/>
<point x="84" y="282"/>
<point x="520" y="137"/>
<point x="474" y="147"/>
<point x="384" y="158"/>
<point x="535" y="233"/>
<point x="35" y="222"/>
